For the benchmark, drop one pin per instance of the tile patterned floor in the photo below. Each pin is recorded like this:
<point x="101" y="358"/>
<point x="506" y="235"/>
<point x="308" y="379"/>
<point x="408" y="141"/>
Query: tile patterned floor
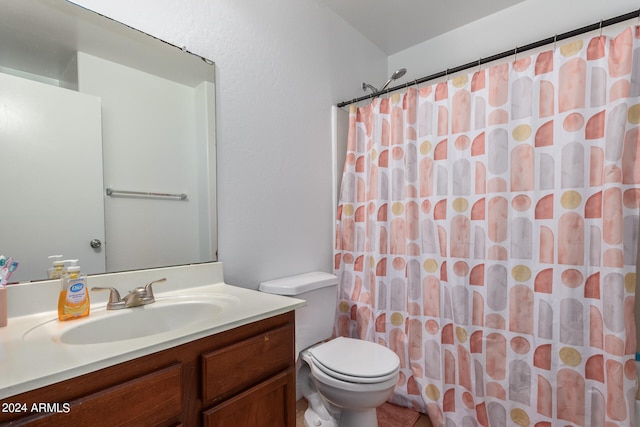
<point x="301" y="406"/>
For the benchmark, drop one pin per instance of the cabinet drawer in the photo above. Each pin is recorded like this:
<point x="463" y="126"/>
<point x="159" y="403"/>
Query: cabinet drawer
<point x="148" y="400"/>
<point x="269" y="404"/>
<point x="246" y="363"/>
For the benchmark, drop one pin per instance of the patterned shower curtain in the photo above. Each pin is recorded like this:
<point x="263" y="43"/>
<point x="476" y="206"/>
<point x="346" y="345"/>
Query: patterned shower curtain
<point x="487" y="233"/>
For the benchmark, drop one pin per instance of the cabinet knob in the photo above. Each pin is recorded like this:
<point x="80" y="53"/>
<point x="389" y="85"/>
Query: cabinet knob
<point x="95" y="243"/>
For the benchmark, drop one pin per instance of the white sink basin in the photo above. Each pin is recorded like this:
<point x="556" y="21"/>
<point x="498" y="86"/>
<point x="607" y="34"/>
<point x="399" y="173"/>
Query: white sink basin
<point x="163" y="316"/>
<point x="140" y="322"/>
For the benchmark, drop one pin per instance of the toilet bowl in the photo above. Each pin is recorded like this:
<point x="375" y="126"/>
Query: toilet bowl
<point x="353" y="377"/>
<point x="343" y="379"/>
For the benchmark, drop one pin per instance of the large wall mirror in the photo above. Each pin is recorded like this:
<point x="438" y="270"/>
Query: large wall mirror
<point x="107" y="144"/>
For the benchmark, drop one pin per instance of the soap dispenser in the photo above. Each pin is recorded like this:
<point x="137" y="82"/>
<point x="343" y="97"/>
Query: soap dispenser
<point x="73" y="301"/>
<point x="57" y="269"/>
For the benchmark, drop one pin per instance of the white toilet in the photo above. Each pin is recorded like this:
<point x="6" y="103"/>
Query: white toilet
<point x="344" y="379"/>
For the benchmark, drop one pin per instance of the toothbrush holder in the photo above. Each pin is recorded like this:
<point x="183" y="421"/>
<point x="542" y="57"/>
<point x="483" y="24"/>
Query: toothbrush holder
<point x="3" y="306"/>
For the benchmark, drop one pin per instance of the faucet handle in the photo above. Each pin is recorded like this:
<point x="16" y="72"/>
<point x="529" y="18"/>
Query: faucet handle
<point x="149" y="290"/>
<point x="114" y="297"/>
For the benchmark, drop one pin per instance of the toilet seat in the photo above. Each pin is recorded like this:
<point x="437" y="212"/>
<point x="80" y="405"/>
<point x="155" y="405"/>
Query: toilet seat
<point x="342" y="358"/>
<point x="352" y="386"/>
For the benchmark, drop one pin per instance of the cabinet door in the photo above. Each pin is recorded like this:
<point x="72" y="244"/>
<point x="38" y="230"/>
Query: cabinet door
<point x="242" y="365"/>
<point x="153" y="399"/>
<point x="269" y="404"/>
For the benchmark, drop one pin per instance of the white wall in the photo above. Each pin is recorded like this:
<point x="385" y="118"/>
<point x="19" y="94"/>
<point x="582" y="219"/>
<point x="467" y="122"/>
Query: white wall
<point x="521" y="24"/>
<point x="280" y="66"/>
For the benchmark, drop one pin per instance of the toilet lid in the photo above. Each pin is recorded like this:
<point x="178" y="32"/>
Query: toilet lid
<point x="353" y="359"/>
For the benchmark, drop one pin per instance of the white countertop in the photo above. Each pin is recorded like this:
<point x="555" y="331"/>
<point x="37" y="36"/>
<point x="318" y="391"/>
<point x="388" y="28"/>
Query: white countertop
<point x="31" y="360"/>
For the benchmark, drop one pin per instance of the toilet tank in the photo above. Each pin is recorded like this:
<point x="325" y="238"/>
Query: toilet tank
<point x="314" y="321"/>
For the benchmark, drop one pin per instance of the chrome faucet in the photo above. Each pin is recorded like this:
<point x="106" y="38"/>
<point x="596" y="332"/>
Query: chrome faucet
<point x="135" y="298"/>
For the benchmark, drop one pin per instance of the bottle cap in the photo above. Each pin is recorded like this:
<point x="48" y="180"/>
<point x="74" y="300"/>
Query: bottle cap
<point x="57" y="262"/>
<point x="73" y="267"/>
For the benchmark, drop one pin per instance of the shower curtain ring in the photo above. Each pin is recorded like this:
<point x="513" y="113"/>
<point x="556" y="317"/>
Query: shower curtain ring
<point x="479" y="64"/>
<point x="515" y="54"/>
<point x="601" y="28"/>
<point x="555" y="40"/>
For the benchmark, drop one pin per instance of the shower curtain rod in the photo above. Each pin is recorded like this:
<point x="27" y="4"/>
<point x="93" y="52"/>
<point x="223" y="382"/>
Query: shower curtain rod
<point x="558" y="37"/>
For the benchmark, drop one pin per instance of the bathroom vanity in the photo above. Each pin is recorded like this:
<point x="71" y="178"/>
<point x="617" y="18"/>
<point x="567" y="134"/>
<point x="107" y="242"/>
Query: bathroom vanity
<point x="236" y="370"/>
<point x="241" y="377"/>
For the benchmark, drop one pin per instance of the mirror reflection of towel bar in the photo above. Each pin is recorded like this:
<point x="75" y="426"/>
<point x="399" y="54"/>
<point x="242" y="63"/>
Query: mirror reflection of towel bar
<point x="112" y="192"/>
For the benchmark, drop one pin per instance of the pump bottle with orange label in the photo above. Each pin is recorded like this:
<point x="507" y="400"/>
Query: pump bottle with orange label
<point x="74" y="296"/>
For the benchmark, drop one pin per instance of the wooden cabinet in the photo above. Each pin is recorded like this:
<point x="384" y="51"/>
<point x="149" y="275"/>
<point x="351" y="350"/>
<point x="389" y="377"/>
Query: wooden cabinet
<point x="244" y="377"/>
<point x="260" y="406"/>
<point x="260" y="357"/>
